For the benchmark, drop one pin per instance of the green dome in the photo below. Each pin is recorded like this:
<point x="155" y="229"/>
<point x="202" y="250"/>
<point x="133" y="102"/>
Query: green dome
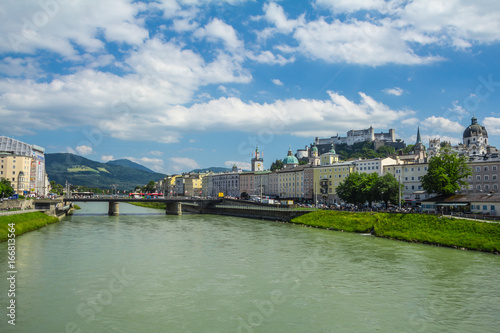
<point x="290" y="160"/>
<point x="314" y="148"/>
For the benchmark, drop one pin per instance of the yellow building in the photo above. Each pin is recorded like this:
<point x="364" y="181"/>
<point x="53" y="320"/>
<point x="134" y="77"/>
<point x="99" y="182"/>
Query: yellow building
<point x="17" y="170"/>
<point x="326" y="180"/>
<point x="193" y="185"/>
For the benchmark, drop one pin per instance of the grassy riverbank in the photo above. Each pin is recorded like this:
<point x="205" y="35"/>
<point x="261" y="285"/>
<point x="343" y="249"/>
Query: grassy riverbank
<point x="24" y="223"/>
<point x="428" y="229"/>
<point x="155" y="205"/>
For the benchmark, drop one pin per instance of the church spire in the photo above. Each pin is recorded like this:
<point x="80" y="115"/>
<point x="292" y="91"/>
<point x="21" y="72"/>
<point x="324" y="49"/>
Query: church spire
<point x="419" y="140"/>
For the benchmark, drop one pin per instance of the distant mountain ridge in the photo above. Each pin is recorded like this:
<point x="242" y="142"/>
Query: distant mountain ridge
<point x="130" y="164"/>
<point x="213" y="169"/>
<point x="78" y="170"/>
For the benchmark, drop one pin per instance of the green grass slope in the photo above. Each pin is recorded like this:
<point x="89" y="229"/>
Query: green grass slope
<point x="429" y="229"/>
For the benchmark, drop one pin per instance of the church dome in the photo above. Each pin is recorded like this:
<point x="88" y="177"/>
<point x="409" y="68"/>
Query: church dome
<point x="475" y="129"/>
<point x="290" y="159"/>
<point x="314" y="148"/>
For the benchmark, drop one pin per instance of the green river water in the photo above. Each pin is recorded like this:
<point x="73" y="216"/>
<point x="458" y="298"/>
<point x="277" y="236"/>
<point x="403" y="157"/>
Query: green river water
<point x="144" y="271"/>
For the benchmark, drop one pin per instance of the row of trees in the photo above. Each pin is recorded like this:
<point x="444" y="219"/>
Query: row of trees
<point x="359" y="188"/>
<point x="446" y="175"/>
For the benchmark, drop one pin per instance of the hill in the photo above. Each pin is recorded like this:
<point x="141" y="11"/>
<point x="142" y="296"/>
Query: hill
<point x="130" y="164"/>
<point x="77" y="170"/>
<point x="213" y="169"/>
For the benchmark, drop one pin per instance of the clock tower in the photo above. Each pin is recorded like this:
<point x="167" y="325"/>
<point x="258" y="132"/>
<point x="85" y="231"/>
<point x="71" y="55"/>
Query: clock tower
<point x="257" y="161"/>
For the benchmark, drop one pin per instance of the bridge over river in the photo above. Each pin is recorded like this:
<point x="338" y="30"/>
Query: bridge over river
<point x="175" y="206"/>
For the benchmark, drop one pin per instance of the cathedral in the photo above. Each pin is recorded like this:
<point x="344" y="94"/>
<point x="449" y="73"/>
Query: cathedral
<point x="475" y="142"/>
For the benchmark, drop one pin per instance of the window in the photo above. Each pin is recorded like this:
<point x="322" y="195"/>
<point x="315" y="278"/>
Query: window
<point x="413" y="187"/>
<point x="485" y="207"/>
<point x="478" y="178"/>
<point x="485" y="168"/>
<point x="478" y="169"/>
<point x="492" y="207"/>
<point x="478" y="187"/>
<point x="486" y="177"/>
<point x="406" y="178"/>
<point x="494" y="168"/>
<point x="494" y="177"/>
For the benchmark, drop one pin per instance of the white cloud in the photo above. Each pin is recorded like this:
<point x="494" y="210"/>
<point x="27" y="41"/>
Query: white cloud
<point x="396" y="91"/>
<point x="277" y="82"/>
<point x="352" y="5"/>
<point x="83" y="150"/>
<point x="107" y="158"/>
<point x="239" y="164"/>
<point x="217" y="30"/>
<point x="183" y="164"/>
<point x="442" y="124"/>
<point x="492" y="125"/>
<point x="155" y="164"/>
<point x="410" y="121"/>
<point x="58" y="26"/>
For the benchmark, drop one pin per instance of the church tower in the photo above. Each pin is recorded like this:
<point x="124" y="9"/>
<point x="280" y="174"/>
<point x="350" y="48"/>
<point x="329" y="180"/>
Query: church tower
<point x="257" y="161"/>
<point x="314" y="158"/>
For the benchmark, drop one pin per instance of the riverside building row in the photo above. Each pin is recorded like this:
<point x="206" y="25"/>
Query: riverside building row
<point x="316" y="182"/>
<point x="24" y="166"/>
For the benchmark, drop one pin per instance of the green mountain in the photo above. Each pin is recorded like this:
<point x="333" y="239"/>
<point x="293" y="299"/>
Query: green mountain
<point x="130" y="164"/>
<point x="77" y="170"/>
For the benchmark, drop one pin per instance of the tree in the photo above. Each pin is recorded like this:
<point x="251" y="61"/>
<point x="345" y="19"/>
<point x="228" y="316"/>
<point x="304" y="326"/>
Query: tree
<point x="349" y="189"/>
<point x="385" y="151"/>
<point x="368" y="182"/>
<point x="277" y="165"/>
<point x="150" y="187"/>
<point x="446" y="173"/>
<point x="386" y="189"/>
<point x="6" y="189"/>
<point x="56" y="188"/>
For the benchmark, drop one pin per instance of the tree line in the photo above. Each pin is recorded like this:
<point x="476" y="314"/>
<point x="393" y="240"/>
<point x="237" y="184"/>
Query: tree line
<point x="446" y="175"/>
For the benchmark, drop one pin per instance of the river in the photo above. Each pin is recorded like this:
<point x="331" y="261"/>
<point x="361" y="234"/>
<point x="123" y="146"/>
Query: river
<point x="144" y="271"/>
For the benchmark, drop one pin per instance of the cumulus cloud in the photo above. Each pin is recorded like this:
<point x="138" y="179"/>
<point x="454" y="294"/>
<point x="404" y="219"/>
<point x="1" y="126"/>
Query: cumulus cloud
<point x="64" y="102"/>
<point x="277" y="82"/>
<point x="182" y="164"/>
<point x="493" y="125"/>
<point x="83" y="150"/>
<point x="442" y="124"/>
<point x="107" y="158"/>
<point x="57" y="25"/>
<point x="218" y="30"/>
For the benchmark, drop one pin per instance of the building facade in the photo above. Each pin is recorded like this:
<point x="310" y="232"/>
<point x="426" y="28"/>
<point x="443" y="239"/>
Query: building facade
<point x="24" y="166"/>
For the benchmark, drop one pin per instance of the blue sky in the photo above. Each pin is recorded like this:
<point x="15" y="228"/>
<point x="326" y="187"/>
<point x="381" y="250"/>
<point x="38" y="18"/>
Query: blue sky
<point x="181" y="84"/>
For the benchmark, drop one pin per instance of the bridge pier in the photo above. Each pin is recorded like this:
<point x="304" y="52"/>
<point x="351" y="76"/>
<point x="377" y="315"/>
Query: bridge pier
<point x="173" y="208"/>
<point x="114" y="208"/>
